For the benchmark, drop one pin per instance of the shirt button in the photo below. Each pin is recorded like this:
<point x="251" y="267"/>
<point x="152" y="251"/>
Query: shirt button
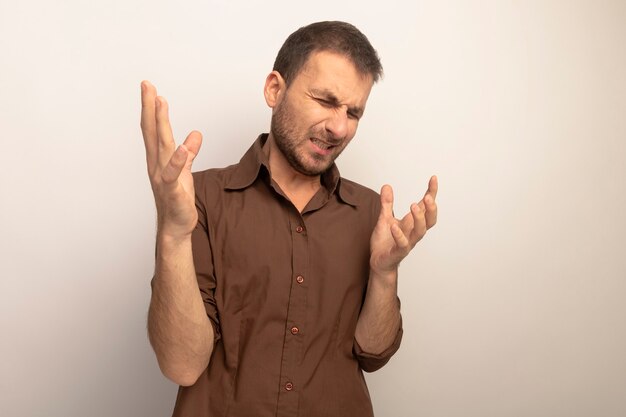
<point x="299" y="229"/>
<point x="299" y="279"/>
<point x="295" y="330"/>
<point x="288" y="386"/>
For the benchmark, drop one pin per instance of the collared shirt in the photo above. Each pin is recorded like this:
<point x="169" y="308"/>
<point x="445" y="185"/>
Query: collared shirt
<point x="283" y="290"/>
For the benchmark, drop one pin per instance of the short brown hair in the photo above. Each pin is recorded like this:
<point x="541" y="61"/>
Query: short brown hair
<point x="340" y="37"/>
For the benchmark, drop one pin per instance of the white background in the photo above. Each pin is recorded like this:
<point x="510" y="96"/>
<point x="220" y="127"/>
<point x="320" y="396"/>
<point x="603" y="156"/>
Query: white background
<point x="513" y="305"/>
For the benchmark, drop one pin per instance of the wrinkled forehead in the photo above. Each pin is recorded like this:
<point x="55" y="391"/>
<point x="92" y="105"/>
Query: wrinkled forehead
<point x="335" y="74"/>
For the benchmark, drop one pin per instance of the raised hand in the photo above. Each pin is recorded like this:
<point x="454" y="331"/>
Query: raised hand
<point x="393" y="239"/>
<point x="169" y="167"/>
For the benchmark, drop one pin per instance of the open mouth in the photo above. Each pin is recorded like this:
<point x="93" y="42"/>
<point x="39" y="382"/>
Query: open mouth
<point x="321" y="145"/>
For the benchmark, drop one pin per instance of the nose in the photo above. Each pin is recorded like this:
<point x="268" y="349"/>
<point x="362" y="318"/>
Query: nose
<point x="337" y="124"/>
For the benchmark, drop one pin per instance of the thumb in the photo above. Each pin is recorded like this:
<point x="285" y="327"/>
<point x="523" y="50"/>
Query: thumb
<point x="386" y="201"/>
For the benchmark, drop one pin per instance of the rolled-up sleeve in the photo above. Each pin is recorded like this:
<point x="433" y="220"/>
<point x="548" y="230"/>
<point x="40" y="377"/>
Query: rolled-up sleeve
<point x="372" y="362"/>
<point x="203" y="258"/>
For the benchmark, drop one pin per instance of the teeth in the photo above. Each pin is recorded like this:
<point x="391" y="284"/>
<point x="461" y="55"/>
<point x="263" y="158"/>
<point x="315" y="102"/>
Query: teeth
<point x="320" y="144"/>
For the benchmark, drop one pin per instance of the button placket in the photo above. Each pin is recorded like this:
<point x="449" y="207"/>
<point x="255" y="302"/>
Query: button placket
<point x="296" y="317"/>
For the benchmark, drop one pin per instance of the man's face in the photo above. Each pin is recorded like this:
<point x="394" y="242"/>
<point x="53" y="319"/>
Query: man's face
<point x="319" y="113"/>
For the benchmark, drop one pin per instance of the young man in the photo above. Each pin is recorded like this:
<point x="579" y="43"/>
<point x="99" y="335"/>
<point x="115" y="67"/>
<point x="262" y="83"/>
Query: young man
<point x="276" y="279"/>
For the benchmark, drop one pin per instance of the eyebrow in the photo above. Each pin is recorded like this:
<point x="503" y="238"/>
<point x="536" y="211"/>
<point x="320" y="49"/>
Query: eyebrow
<point x="332" y="99"/>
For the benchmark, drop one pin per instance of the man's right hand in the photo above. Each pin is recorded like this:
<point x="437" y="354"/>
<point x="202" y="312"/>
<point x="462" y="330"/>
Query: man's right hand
<point x="178" y="327"/>
<point x="169" y="167"/>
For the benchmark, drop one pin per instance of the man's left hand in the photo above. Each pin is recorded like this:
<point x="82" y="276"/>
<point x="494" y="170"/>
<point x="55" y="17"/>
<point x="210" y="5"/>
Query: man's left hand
<point x="393" y="239"/>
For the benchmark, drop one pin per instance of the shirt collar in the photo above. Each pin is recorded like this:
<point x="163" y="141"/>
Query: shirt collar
<point x="249" y="168"/>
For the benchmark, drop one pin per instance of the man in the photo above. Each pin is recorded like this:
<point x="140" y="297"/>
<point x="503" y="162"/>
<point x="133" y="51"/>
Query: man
<point x="276" y="279"/>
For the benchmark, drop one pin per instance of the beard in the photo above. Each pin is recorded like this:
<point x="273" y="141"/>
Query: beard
<point x="287" y="139"/>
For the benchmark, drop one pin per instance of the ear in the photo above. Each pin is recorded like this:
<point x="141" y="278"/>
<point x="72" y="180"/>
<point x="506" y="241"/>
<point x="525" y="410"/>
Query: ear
<point x="275" y="87"/>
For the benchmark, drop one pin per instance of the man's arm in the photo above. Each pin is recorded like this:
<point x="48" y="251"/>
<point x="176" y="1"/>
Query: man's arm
<point x="391" y="241"/>
<point x="178" y="327"/>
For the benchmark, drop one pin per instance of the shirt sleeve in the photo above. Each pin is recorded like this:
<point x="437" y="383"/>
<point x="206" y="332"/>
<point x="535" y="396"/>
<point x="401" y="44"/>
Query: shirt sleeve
<point x="370" y="362"/>
<point x="203" y="258"/>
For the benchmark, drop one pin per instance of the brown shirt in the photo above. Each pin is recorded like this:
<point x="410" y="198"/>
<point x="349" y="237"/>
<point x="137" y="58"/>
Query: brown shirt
<point x="283" y="291"/>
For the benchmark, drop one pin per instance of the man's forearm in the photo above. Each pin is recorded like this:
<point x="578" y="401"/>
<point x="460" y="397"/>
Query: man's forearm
<point x="179" y="329"/>
<point x="379" y="320"/>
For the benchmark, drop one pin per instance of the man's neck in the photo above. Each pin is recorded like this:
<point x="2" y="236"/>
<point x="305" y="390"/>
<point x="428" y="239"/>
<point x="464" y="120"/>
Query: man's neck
<point x="298" y="187"/>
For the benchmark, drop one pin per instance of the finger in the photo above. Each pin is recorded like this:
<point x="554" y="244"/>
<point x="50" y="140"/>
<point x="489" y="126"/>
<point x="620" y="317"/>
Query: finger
<point x="419" y="224"/>
<point x="193" y="142"/>
<point x="148" y="123"/>
<point x="433" y="186"/>
<point x="402" y="242"/>
<point x="175" y="165"/>
<point x="166" y="144"/>
<point x="386" y="201"/>
<point x="431" y="211"/>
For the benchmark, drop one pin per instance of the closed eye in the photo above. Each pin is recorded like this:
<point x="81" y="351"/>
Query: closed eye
<point x="352" y="114"/>
<point x="325" y="103"/>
